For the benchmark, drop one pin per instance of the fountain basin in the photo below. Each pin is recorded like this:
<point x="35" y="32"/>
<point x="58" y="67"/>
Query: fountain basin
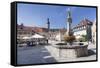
<point x="74" y="51"/>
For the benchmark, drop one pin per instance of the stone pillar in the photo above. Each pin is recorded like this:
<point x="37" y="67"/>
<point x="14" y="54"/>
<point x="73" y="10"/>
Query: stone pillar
<point x="69" y="21"/>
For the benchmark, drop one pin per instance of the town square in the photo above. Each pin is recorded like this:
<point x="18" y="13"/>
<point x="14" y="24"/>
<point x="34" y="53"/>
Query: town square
<point x="53" y="34"/>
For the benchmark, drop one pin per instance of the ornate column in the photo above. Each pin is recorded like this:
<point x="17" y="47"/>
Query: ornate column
<point x="69" y="22"/>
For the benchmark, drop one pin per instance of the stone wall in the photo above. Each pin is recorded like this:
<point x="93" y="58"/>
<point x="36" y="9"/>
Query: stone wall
<point x="70" y="51"/>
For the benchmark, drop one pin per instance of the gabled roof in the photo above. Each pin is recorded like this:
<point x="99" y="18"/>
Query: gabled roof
<point x="83" y="22"/>
<point x="31" y="29"/>
<point x="25" y="28"/>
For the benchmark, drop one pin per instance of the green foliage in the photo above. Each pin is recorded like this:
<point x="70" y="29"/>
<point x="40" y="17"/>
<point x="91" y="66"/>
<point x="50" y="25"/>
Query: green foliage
<point x="83" y="38"/>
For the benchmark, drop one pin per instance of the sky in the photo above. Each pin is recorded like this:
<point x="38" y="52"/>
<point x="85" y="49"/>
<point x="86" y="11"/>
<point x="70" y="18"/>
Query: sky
<point x="36" y="15"/>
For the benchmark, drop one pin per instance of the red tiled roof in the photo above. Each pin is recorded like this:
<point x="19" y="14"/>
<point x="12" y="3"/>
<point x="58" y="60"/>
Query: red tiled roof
<point x="29" y="28"/>
<point x="25" y="28"/>
<point x="37" y="29"/>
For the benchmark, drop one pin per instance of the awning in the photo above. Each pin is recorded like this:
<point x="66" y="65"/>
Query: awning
<point x="37" y="36"/>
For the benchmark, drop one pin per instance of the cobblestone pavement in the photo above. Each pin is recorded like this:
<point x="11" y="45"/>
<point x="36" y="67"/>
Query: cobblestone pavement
<point x="45" y="54"/>
<point x="34" y="55"/>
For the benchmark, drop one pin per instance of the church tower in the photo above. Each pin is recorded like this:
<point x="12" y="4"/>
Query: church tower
<point x="48" y="24"/>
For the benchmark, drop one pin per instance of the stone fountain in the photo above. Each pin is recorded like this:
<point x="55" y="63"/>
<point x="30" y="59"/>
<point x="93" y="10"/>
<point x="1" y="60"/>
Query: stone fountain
<point x="74" y="50"/>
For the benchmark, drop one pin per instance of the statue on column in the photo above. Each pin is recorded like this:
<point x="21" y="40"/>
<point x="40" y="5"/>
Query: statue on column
<point x="69" y="37"/>
<point x="69" y="22"/>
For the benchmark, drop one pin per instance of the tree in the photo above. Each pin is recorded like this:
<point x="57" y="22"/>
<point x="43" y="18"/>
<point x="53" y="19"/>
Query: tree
<point x="83" y="38"/>
<point x="69" y="39"/>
